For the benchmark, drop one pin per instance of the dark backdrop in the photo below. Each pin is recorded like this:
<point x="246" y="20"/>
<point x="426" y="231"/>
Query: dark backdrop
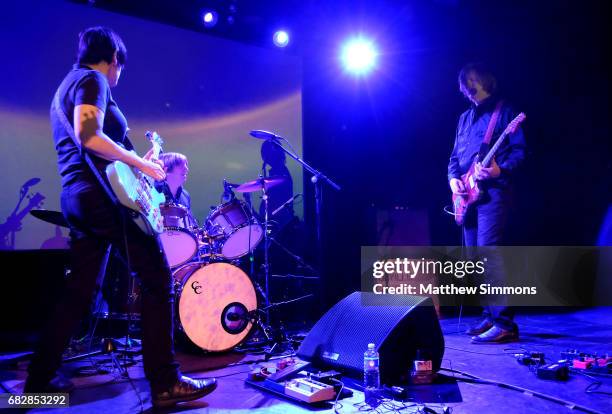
<point x="386" y="137"/>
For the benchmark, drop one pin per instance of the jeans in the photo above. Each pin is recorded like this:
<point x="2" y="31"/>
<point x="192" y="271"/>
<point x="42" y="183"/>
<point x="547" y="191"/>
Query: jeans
<point x="484" y="226"/>
<point x="95" y="223"/>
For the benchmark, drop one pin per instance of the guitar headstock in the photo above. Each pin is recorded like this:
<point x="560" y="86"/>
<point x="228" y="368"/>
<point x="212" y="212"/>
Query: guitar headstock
<point x="154" y="137"/>
<point x="514" y="124"/>
<point x="156" y="140"/>
<point x="35" y="201"/>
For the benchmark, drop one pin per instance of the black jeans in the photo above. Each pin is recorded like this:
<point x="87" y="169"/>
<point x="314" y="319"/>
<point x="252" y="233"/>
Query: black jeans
<point x="484" y="226"/>
<point x="95" y="223"/>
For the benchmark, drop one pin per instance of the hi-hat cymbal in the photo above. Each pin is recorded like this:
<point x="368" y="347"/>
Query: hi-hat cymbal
<point x="259" y="184"/>
<point x="50" y="216"/>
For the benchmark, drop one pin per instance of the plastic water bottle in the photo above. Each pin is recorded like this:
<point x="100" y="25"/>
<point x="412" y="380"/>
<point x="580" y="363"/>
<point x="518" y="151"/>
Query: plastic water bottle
<point x="371" y="375"/>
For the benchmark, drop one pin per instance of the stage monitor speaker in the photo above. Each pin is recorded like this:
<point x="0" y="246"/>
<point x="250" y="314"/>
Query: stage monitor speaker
<point x="398" y="326"/>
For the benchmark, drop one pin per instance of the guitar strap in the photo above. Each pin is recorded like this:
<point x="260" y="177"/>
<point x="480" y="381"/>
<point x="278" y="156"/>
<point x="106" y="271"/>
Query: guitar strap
<point x="70" y="130"/>
<point x="492" y="123"/>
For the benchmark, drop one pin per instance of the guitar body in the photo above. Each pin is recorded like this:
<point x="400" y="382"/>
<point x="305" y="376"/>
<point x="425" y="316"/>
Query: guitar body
<point x="137" y="193"/>
<point x="461" y="203"/>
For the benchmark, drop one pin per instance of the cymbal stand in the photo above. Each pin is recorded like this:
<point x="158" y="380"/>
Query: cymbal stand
<point x="277" y="336"/>
<point x="266" y="249"/>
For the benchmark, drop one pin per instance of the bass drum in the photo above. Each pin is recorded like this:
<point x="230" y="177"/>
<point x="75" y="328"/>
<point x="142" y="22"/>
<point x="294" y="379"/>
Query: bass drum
<point x="214" y="304"/>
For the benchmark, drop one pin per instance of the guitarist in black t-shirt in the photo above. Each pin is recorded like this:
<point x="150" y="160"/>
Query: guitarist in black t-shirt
<point x="86" y="121"/>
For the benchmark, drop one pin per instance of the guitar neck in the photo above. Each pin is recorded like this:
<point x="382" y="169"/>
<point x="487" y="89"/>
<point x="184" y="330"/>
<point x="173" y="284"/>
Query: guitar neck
<point x="511" y="128"/>
<point x="156" y="141"/>
<point x="487" y="159"/>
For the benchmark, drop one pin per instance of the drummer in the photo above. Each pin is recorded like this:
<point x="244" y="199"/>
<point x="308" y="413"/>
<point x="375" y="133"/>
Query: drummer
<point x="176" y="167"/>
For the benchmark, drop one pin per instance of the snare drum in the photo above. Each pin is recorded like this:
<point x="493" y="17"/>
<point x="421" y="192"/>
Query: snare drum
<point x="178" y="239"/>
<point x="240" y="231"/>
<point x="214" y="302"/>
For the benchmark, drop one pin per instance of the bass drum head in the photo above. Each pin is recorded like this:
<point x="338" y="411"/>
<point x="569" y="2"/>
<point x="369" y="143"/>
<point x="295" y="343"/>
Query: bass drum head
<point x="179" y="244"/>
<point x="213" y="305"/>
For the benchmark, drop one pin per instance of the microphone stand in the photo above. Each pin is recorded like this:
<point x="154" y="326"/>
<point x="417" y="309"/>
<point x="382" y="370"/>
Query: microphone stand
<point x="316" y="179"/>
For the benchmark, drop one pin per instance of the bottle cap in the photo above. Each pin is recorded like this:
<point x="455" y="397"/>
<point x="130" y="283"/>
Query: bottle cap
<point x="371" y="346"/>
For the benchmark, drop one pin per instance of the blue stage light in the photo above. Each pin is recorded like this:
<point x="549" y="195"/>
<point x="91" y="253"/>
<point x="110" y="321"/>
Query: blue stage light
<point x="359" y="55"/>
<point x="281" y="38"/>
<point x="210" y="17"/>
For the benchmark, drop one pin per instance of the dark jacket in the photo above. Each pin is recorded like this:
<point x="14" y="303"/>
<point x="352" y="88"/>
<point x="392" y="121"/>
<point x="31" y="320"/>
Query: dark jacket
<point x="471" y="130"/>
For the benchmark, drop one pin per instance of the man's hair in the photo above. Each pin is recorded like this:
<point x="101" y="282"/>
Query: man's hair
<point x="97" y="44"/>
<point x="172" y="159"/>
<point x="484" y="73"/>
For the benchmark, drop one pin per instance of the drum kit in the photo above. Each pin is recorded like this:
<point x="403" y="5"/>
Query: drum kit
<point x="217" y="300"/>
<point x="230" y="231"/>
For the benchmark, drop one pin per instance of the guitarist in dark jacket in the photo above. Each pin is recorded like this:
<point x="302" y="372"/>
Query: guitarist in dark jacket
<point x="87" y="120"/>
<point x="485" y="220"/>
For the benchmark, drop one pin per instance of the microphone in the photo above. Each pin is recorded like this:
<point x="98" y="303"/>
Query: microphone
<point x="234" y="316"/>
<point x="31" y="182"/>
<point x="239" y="316"/>
<point x="261" y="134"/>
<point x="228" y="195"/>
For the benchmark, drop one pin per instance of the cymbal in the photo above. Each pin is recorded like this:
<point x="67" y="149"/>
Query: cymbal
<point x="259" y="184"/>
<point x="50" y="216"/>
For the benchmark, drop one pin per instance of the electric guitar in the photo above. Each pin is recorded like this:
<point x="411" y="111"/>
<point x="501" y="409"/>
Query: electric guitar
<point x="461" y="202"/>
<point x="13" y="222"/>
<point x="136" y="191"/>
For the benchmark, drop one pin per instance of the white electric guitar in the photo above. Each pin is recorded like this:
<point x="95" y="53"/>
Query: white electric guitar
<point x="137" y="191"/>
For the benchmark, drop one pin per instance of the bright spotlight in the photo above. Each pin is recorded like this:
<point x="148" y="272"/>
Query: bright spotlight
<point x="359" y="55"/>
<point x="210" y="17"/>
<point x="281" y="38"/>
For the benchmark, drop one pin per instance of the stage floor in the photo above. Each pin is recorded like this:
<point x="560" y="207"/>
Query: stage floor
<point x="587" y="330"/>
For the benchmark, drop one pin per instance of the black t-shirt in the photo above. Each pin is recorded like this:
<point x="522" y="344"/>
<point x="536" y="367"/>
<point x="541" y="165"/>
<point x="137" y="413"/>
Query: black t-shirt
<point x="83" y="85"/>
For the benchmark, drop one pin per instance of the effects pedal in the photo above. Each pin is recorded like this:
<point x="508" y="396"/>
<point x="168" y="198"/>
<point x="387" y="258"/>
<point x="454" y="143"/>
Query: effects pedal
<point x="309" y="390"/>
<point x="557" y="371"/>
<point x="531" y="358"/>
<point x="583" y="363"/>
<point x="332" y="378"/>
<point x="289" y="371"/>
<point x="325" y="376"/>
